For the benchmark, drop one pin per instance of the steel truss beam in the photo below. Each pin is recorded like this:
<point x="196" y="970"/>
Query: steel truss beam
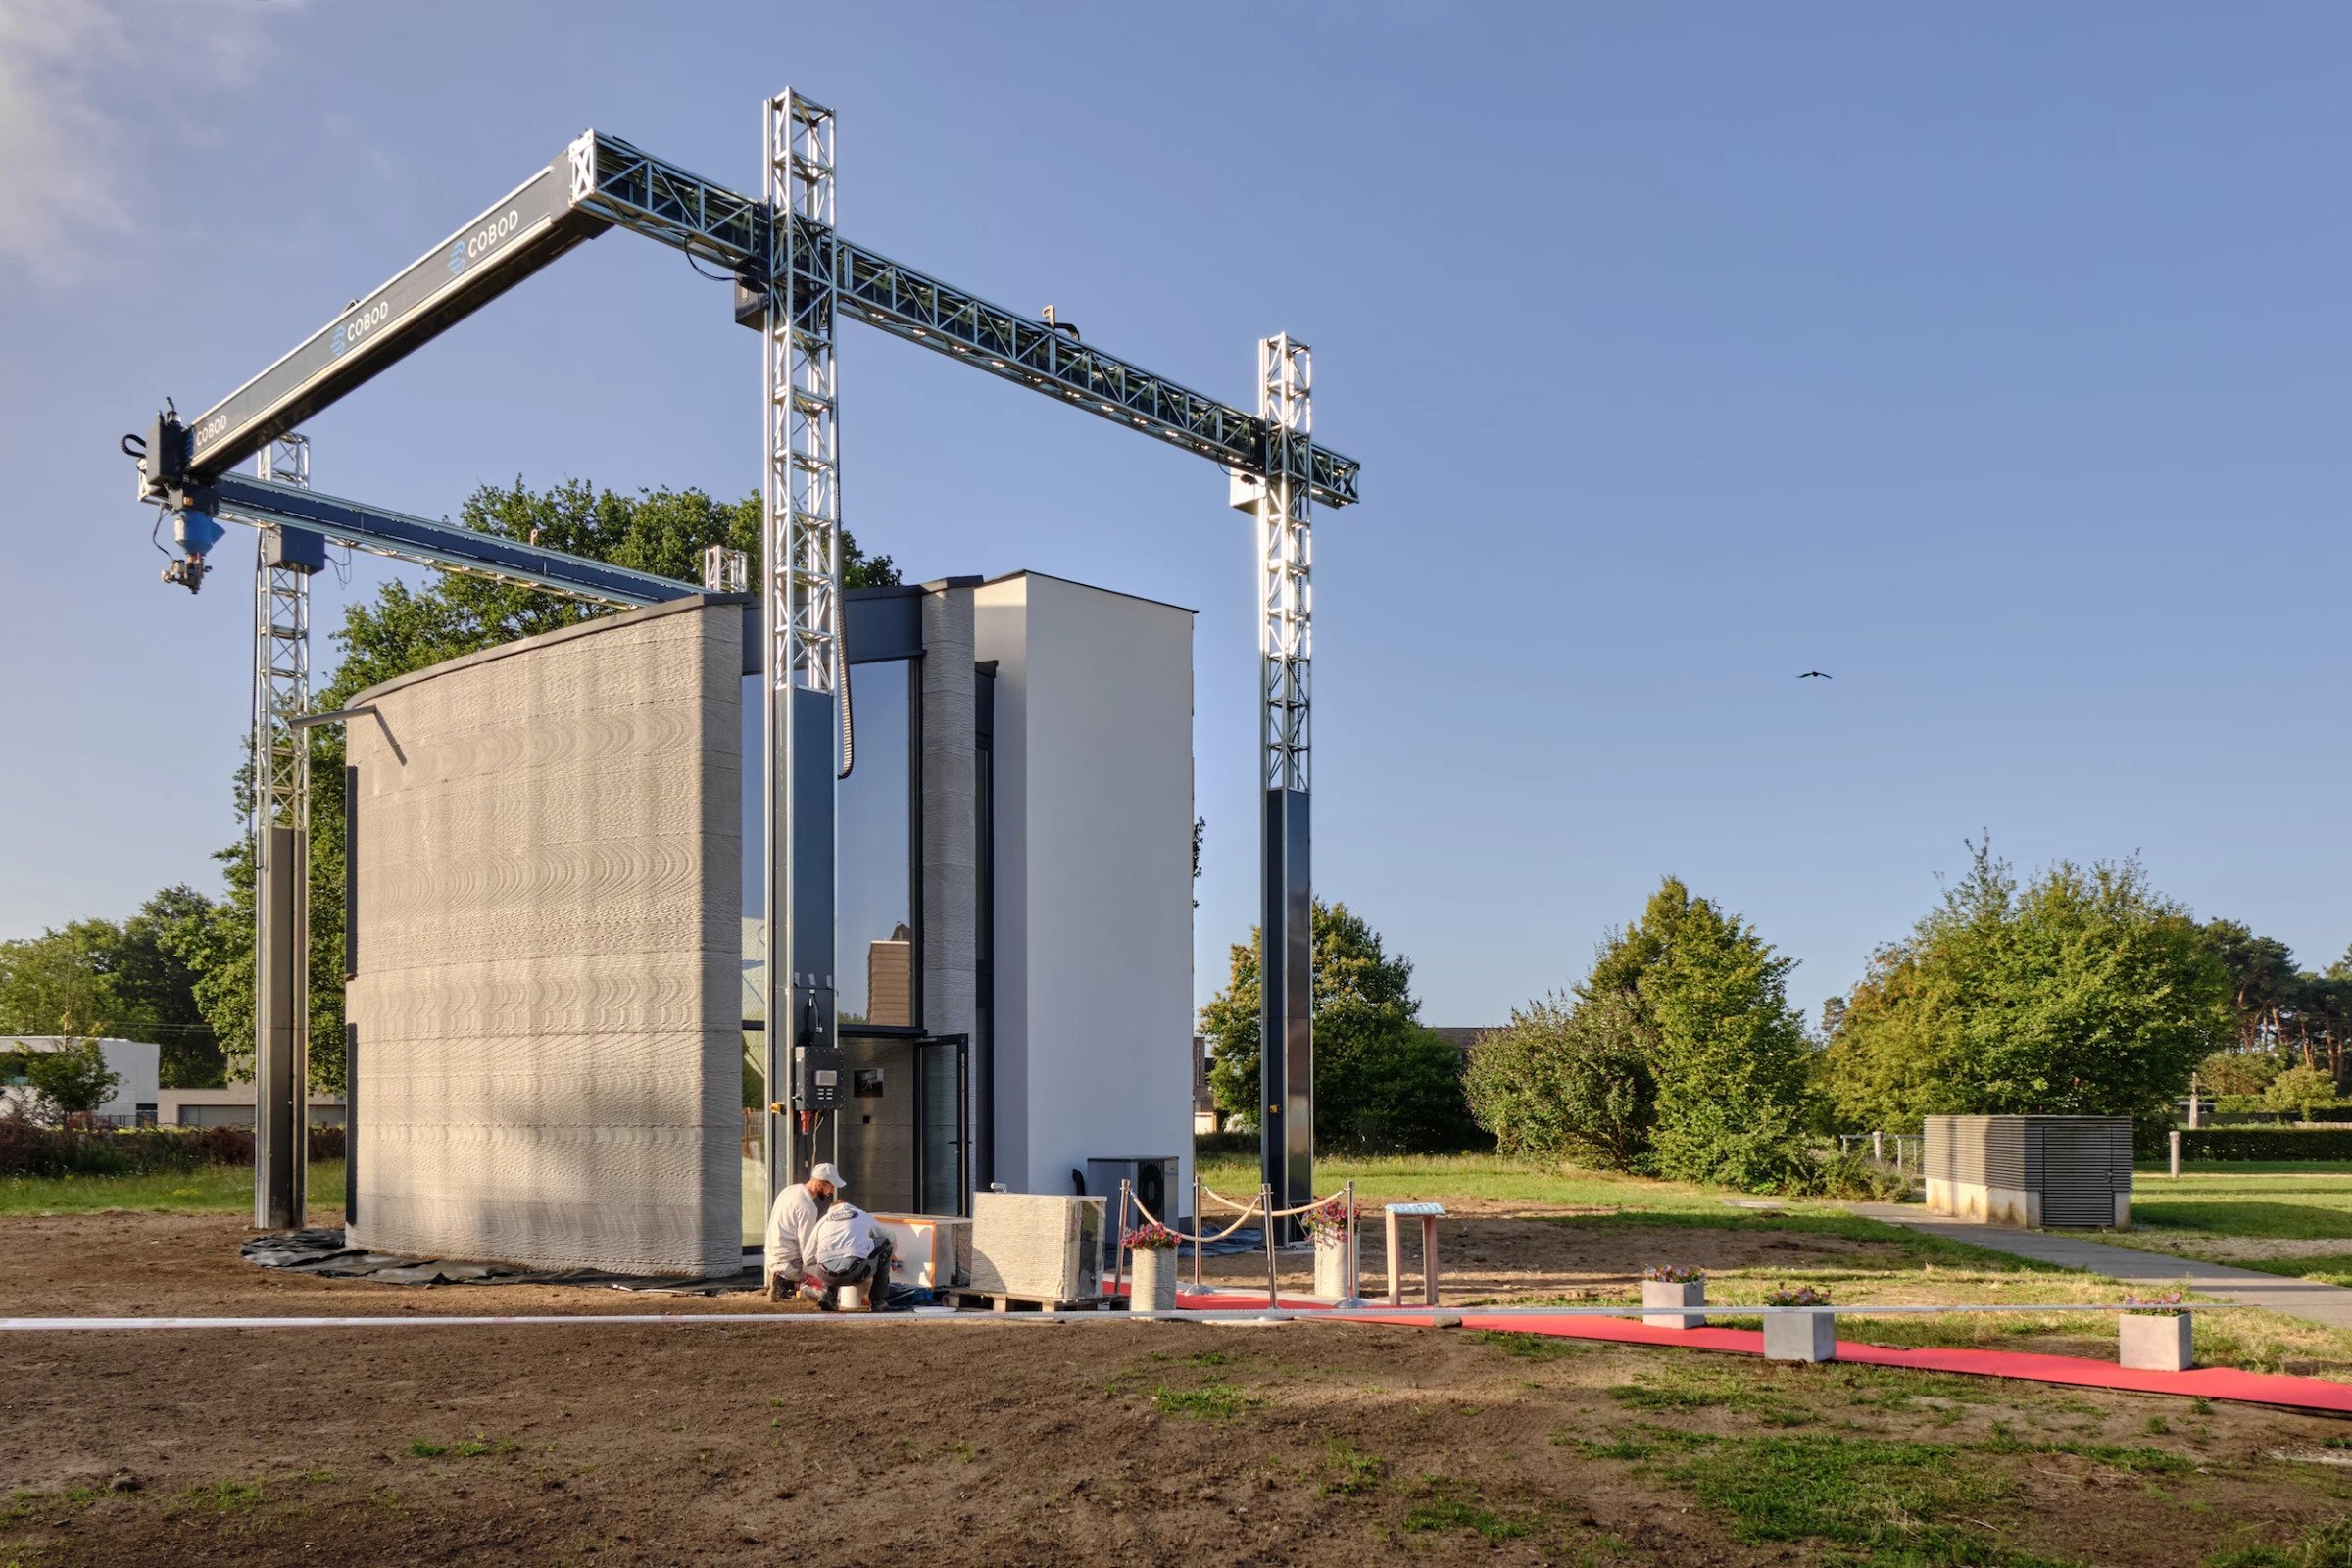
<point x="428" y="542"/>
<point x="602" y="181"/>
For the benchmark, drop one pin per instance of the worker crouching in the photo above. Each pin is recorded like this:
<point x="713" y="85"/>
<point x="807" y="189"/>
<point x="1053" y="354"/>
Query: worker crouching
<point x="818" y="1242"/>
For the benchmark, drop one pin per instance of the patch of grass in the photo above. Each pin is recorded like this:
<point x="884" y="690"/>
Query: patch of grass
<point x="1696" y="1386"/>
<point x="421" y="1448"/>
<point x="226" y="1496"/>
<point x="1356" y="1472"/>
<point x="1455" y="1505"/>
<point x="1856" y="1491"/>
<point x="2323" y="1545"/>
<point x="1211" y="1401"/>
<point x="210" y="1189"/>
<point x="1532" y="1347"/>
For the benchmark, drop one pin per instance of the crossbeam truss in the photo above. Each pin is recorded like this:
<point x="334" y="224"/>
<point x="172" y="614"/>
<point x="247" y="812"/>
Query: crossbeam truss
<point x="801" y="277"/>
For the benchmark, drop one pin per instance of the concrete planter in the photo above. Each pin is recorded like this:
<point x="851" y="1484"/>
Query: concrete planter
<point x="1331" y="1267"/>
<point x="1800" y="1336"/>
<point x="2154" y="1344"/>
<point x="1668" y="1304"/>
<point x="1152" y="1279"/>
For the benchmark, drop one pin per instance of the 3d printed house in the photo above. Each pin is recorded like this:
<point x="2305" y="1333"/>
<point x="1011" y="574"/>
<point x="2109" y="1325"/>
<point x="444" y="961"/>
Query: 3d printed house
<point x="557" y="1042"/>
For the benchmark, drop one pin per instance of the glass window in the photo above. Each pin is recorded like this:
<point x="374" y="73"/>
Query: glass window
<point x="875" y="829"/>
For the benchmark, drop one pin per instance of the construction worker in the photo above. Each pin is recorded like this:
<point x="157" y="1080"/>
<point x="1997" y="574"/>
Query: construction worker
<point x="850" y="1249"/>
<point x="791" y="1231"/>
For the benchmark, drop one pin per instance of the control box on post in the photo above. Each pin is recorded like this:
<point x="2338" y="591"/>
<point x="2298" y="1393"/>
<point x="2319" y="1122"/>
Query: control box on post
<point x="816" y="1074"/>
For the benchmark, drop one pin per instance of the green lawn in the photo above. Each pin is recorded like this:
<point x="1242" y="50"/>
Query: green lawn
<point x="213" y="1190"/>
<point x="1904" y="1266"/>
<point x="2282" y="1219"/>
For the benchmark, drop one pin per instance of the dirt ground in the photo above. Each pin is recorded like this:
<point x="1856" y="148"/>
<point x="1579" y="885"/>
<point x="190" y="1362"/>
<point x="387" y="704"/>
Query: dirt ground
<point x="822" y="1440"/>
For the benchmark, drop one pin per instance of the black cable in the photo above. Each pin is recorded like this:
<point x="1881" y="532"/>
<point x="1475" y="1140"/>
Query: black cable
<point x="849" y="710"/>
<point x="715" y="277"/>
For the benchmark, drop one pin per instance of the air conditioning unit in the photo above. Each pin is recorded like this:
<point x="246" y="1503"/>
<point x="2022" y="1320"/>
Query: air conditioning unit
<point x="1154" y="1185"/>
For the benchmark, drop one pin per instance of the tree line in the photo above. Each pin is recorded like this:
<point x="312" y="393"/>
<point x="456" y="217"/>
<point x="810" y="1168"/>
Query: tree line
<point x="180" y="971"/>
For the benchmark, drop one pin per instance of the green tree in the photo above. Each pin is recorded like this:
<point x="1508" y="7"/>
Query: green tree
<point x="406" y="628"/>
<point x="1570" y="1079"/>
<point x="2231" y="1071"/>
<point x="1681" y="1055"/>
<point x="65" y="1081"/>
<point x="2300" y="1089"/>
<point x="129" y="981"/>
<point x="1381" y="1079"/>
<point x="1732" y="1055"/>
<point x="55" y="983"/>
<point x="2081" y="993"/>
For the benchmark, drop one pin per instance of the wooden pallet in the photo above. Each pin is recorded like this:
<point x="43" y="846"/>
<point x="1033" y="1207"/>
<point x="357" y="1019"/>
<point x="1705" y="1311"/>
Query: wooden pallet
<point x="974" y="1300"/>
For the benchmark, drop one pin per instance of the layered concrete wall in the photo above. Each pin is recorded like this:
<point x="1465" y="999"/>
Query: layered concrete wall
<point x="548" y="846"/>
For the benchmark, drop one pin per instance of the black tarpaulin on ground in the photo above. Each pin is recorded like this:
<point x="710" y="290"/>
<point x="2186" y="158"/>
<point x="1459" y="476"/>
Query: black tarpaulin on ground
<point x="321" y="1249"/>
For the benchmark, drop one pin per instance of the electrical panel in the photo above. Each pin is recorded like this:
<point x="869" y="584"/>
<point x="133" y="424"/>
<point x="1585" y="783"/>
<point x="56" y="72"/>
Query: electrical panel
<point x="817" y="1075"/>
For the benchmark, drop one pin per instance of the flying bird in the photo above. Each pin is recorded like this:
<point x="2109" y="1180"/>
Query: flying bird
<point x="1817" y="674"/>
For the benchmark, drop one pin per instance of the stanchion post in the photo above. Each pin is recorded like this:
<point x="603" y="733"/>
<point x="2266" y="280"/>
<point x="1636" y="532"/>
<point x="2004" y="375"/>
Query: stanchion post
<point x="1353" y="1293"/>
<point x="1265" y="1204"/>
<point x="1118" y="1268"/>
<point x="2174" y="1136"/>
<point x="1396" y="1279"/>
<point x="1199" y="1233"/>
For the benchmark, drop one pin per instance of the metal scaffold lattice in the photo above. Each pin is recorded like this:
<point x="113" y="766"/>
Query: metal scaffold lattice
<point x="282" y="838"/>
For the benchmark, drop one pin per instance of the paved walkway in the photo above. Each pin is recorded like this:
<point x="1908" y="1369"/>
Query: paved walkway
<point x="2309" y="1299"/>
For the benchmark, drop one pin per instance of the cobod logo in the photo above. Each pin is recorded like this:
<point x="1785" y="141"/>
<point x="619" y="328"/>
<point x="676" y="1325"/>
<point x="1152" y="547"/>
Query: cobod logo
<point x="485" y="239"/>
<point x="349" y="332"/>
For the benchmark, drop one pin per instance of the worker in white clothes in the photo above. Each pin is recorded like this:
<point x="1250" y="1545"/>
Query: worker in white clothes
<point x="791" y="1231"/>
<point x="850" y="1250"/>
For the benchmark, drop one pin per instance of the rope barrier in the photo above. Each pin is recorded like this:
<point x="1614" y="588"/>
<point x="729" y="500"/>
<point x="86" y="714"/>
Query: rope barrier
<point x="1197" y="1237"/>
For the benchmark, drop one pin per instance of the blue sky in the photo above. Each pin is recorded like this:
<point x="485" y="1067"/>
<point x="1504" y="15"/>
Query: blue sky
<point x="1992" y="359"/>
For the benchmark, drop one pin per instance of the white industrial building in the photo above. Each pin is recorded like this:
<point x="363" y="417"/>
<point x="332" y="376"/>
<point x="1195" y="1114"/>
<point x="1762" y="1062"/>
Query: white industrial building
<point x="137" y="1067"/>
<point x="559" y="1055"/>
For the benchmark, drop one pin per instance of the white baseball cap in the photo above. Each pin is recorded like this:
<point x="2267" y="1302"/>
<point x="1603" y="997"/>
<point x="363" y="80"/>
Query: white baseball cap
<point x="830" y="1175"/>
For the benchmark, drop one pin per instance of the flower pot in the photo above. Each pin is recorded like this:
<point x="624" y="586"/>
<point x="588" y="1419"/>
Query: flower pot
<point x="2147" y="1344"/>
<point x="1331" y="1266"/>
<point x="1679" y="1297"/>
<point x="1151" y="1280"/>
<point x="1800" y="1336"/>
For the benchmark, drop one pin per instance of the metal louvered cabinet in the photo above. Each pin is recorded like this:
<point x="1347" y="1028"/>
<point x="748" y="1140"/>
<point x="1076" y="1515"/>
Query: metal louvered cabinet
<point x="2034" y="1173"/>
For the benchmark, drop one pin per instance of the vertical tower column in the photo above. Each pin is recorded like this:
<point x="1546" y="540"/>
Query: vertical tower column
<point x="282" y="840"/>
<point x="800" y="504"/>
<point x="1284" y="659"/>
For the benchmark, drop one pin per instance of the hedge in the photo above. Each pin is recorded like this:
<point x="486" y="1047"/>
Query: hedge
<point x="28" y="1149"/>
<point x="2284" y="1143"/>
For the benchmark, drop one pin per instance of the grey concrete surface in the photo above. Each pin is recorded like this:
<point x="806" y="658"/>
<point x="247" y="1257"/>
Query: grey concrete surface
<point x="546" y="1008"/>
<point x="2309" y="1299"/>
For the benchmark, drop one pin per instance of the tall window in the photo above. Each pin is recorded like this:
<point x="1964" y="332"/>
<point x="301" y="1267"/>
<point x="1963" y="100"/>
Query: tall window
<point x="875" y="830"/>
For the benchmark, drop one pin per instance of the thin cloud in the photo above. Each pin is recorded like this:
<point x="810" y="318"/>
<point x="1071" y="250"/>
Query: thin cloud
<point x="95" y="101"/>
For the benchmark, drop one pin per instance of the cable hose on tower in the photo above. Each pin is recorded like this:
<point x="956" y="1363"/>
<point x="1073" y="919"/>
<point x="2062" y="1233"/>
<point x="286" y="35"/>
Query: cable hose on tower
<point x="848" y="713"/>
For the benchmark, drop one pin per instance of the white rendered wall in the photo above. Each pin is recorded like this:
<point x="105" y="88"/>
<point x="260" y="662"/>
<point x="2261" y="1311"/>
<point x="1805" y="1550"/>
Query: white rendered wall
<point x="1094" y="915"/>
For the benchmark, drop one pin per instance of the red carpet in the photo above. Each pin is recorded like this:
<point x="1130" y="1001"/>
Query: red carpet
<point x="2212" y="1383"/>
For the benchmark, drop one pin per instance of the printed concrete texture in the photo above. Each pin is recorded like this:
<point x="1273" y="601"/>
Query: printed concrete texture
<point x="2308" y="1300"/>
<point x="546" y="1010"/>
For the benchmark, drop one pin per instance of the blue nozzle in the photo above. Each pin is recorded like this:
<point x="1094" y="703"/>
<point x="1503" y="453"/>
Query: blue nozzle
<point x="195" y="532"/>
